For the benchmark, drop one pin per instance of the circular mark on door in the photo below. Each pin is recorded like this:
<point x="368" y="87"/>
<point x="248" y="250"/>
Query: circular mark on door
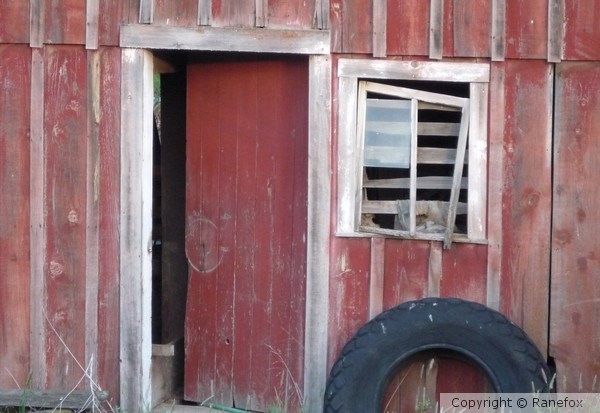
<point x="202" y="244"/>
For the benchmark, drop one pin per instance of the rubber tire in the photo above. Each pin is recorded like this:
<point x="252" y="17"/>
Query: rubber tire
<point x="477" y="334"/>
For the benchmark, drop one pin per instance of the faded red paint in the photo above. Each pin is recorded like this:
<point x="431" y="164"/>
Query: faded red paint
<point x="575" y="244"/>
<point x="15" y="67"/>
<point x="527" y="196"/>
<point x="65" y="129"/>
<point x="247" y="160"/>
<point x="409" y="33"/>
<point x="524" y="265"/>
<point x="526" y="29"/>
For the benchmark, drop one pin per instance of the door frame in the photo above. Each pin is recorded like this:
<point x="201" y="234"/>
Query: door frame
<point x="135" y="256"/>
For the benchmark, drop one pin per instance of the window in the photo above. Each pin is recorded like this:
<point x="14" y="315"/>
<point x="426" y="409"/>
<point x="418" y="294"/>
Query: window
<point x="412" y="150"/>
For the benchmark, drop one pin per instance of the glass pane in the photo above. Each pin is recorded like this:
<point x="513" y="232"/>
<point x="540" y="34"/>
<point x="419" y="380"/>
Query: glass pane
<point x="387" y="133"/>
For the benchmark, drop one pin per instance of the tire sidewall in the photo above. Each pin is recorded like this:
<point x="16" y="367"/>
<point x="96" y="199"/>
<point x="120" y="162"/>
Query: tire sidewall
<point x="470" y="331"/>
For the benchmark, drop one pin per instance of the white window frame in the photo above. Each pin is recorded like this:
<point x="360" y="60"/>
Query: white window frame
<point x="349" y="162"/>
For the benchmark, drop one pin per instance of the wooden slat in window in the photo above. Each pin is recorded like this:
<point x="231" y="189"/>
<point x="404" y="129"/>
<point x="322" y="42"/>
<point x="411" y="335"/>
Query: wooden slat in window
<point x="423" y="182"/>
<point x="458" y="171"/>
<point x="438" y="129"/>
<point x="440" y="156"/>
<point x="391" y="207"/>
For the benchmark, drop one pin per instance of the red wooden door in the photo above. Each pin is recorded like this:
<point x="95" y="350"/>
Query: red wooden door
<point x="246" y="195"/>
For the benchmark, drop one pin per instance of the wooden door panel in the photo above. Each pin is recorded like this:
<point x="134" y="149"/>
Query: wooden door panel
<point x="246" y="192"/>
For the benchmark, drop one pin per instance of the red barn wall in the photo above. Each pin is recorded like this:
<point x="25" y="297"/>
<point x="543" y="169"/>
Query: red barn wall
<point x="59" y="171"/>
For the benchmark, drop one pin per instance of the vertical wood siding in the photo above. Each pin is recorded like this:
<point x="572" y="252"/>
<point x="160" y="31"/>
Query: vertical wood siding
<point x="15" y="71"/>
<point x="14" y="18"/>
<point x="65" y="130"/>
<point x="64" y="22"/>
<point x="176" y="13"/>
<point x="73" y="192"/>
<point x="60" y="153"/>
<point x="246" y="231"/>
<point x="351" y="30"/>
<point x="575" y="244"/>
<point x="526" y="196"/>
<point x="526" y="29"/>
<point x="106" y="175"/>
<point x="471" y="28"/>
<point x="581" y="30"/>
<point x="408" y="35"/>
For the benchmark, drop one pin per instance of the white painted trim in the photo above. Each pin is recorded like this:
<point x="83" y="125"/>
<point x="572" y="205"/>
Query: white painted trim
<point x="136" y="229"/>
<point x="37" y="232"/>
<point x="312" y="42"/>
<point x="349" y="162"/>
<point x="478" y="161"/>
<point x="319" y="205"/>
<point x="498" y="34"/>
<point x="412" y="70"/>
<point x="347" y="159"/>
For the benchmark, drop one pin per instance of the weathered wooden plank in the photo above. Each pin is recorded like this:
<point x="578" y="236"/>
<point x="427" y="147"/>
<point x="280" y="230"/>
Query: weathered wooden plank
<point x="436" y="29"/>
<point x="498" y="33"/>
<point x="346" y="156"/>
<point x="15" y="93"/>
<point x="423" y="182"/>
<point x="289" y="14"/>
<point x="111" y="15"/>
<point x="261" y="13"/>
<point x="526" y="197"/>
<point x="575" y="243"/>
<point x="64" y="22"/>
<point x="204" y="12"/>
<point x="202" y="155"/>
<point x="234" y="13"/>
<point x="472" y="28"/>
<point x="78" y="399"/>
<point x="106" y="189"/>
<point x="349" y="286"/>
<point x="318" y="230"/>
<point x="434" y="269"/>
<point x="183" y="13"/>
<point x="581" y="30"/>
<point x="379" y="28"/>
<point x="352" y="26"/>
<point x="495" y="185"/>
<point x="478" y="161"/>
<point x="406" y="271"/>
<point x="259" y="222"/>
<point x="322" y="14"/>
<point x="15" y="22"/>
<point x="135" y="256"/>
<point x="92" y="219"/>
<point x="447" y="27"/>
<point x="435" y="71"/>
<point x="92" y="15"/>
<point x="37" y="342"/>
<point x="556" y="10"/>
<point x="377" y="273"/>
<point x="65" y="147"/>
<point x="146" y="11"/>
<point x="464" y="272"/>
<point x="36" y="23"/>
<point x="225" y="39"/>
<point x="409" y="35"/>
<point x="527" y="29"/>
<point x="457" y="178"/>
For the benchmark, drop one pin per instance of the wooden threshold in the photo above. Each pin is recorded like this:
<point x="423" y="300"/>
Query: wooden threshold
<point x="76" y="399"/>
<point x="180" y="408"/>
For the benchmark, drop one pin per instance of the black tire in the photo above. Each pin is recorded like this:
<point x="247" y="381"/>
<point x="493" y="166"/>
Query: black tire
<point x="467" y="330"/>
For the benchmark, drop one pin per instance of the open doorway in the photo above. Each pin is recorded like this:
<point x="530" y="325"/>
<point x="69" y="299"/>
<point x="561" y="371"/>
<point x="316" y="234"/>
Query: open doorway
<point x="169" y="264"/>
